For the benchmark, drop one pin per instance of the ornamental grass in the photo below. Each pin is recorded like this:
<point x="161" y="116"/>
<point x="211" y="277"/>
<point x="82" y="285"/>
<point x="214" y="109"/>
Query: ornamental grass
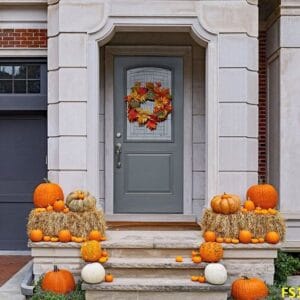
<point x="79" y="223"/>
<point x="230" y="225"/>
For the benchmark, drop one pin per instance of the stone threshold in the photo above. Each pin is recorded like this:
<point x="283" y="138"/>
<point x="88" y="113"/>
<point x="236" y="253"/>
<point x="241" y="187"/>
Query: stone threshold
<point x="154" y="285"/>
<point x="162" y="218"/>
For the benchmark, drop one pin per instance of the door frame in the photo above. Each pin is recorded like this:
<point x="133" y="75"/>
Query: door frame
<point x="186" y="53"/>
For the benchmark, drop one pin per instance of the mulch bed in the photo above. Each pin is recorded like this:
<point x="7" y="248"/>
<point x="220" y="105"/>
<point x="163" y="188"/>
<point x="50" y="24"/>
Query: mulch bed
<point x="10" y="265"/>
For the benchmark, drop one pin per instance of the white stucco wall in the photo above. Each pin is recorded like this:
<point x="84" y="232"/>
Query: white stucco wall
<point x="232" y="26"/>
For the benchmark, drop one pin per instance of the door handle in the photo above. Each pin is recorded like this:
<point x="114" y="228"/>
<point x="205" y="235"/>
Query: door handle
<point x="118" y="150"/>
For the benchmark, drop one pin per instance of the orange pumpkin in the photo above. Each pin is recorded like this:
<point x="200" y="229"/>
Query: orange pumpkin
<point x="46" y="194"/>
<point x="95" y="235"/>
<point x="272" y="237"/>
<point x="91" y="251"/>
<point x="211" y="251"/>
<point x="249" y="205"/>
<point x="46" y="238"/>
<point x="197" y="259"/>
<point x="58" y="281"/>
<point x="261" y="240"/>
<point x="245" y="236"/>
<point x="249" y="289"/>
<point x="179" y="259"/>
<point x="59" y="205"/>
<point x="235" y="241"/>
<point x="49" y="208"/>
<point x="194" y="278"/>
<point x="263" y="195"/>
<point x="36" y="235"/>
<point x="201" y="279"/>
<point x="65" y="236"/>
<point x="225" y="204"/>
<point x="254" y="241"/>
<point x="109" y="278"/>
<point x="209" y="236"/>
<point x="228" y="240"/>
<point x="220" y="240"/>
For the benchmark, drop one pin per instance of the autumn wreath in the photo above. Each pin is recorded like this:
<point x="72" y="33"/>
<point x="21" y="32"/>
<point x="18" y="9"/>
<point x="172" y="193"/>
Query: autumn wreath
<point x="149" y="92"/>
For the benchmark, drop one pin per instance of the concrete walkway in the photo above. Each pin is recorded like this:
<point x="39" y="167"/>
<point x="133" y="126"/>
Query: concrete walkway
<point x="11" y="289"/>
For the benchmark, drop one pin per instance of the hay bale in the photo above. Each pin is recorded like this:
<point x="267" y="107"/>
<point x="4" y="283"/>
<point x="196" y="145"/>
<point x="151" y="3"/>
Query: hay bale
<point x="230" y="225"/>
<point x="79" y="223"/>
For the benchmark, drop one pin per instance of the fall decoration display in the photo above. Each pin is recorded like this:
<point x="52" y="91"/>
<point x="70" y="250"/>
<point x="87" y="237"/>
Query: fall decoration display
<point x="80" y="201"/>
<point x="209" y="236"/>
<point x="95" y="235"/>
<point x="139" y="95"/>
<point x="59" y="205"/>
<point x="249" y="289"/>
<point x="46" y="194"/>
<point x="272" y="237"/>
<point x="58" y="281"/>
<point x="65" y="236"/>
<point x="179" y="259"/>
<point x="225" y="204"/>
<point x="79" y="224"/>
<point x="230" y="225"/>
<point x="263" y="195"/>
<point x="91" y="251"/>
<point x="93" y="273"/>
<point x="245" y="236"/>
<point x="249" y="205"/>
<point x="215" y="273"/>
<point x="36" y="235"/>
<point x="109" y="278"/>
<point x="211" y="251"/>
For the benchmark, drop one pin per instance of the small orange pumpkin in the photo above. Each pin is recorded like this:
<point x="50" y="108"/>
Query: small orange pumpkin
<point x="46" y="238"/>
<point x="95" y="235"/>
<point x="263" y="195"/>
<point x="249" y="205"/>
<point x="36" y="235"/>
<point x="65" y="236"/>
<point x="254" y="241"/>
<point x="220" y="240"/>
<point x="225" y="204"/>
<point x="261" y="240"/>
<point x="58" y="281"/>
<point x="103" y="259"/>
<point x="194" y="278"/>
<point x="201" y="279"/>
<point x="59" y="205"/>
<point x="245" y="236"/>
<point x="211" y="251"/>
<point x="46" y="194"/>
<point x="49" y="208"/>
<point x="54" y="239"/>
<point x="235" y="241"/>
<point x="249" y="289"/>
<point x="109" y="278"/>
<point x="179" y="259"/>
<point x="272" y="237"/>
<point x="197" y="259"/>
<point x="228" y="240"/>
<point x="209" y="236"/>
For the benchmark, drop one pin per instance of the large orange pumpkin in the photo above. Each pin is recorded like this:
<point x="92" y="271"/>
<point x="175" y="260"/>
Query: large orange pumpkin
<point x="272" y="237"/>
<point x="263" y="195"/>
<point x="46" y="194"/>
<point x="225" y="204"/>
<point x="58" y="281"/>
<point x="245" y="236"/>
<point x="249" y="289"/>
<point x="91" y="251"/>
<point x="211" y="251"/>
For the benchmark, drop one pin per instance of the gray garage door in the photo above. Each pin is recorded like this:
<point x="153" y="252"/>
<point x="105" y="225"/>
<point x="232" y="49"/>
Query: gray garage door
<point x="23" y="145"/>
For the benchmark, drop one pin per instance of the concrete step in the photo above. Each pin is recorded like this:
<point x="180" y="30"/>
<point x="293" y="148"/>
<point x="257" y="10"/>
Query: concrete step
<point x="153" y="268"/>
<point x="155" y="288"/>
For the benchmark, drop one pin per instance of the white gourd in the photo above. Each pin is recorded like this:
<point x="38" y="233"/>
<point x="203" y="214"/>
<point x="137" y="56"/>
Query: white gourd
<point x="215" y="273"/>
<point x="93" y="273"/>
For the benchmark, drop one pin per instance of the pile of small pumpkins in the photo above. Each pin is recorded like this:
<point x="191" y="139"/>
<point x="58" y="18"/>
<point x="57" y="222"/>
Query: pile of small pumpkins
<point x="261" y="199"/>
<point x="49" y="197"/>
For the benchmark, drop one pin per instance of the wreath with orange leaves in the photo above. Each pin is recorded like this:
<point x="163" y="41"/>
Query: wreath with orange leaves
<point x="148" y="92"/>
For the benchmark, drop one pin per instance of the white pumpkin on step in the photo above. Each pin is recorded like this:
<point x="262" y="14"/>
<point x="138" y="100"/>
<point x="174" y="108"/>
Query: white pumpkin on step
<point x="215" y="273"/>
<point x="93" y="273"/>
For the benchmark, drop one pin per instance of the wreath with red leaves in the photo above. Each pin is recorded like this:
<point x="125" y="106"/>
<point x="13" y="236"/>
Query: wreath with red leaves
<point x="148" y="92"/>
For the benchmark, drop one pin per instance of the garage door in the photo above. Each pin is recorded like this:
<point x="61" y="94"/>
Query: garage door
<point x="23" y="146"/>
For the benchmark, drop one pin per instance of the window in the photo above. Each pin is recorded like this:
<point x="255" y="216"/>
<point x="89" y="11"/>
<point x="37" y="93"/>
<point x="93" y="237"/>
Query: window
<point x="20" y="79"/>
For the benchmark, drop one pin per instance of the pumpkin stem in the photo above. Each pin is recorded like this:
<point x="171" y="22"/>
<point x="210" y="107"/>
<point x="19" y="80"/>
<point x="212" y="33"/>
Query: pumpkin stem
<point x="55" y="268"/>
<point x="261" y="180"/>
<point x="245" y="277"/>
<point x="47" y="180"/>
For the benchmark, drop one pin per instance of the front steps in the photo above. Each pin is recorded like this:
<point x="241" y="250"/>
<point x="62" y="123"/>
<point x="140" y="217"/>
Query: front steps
<point x="144" y="267"/>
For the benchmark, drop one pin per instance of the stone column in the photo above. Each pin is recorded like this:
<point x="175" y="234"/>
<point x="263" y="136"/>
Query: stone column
<point x="69" y="22"/>
<point x="284" y="127"/>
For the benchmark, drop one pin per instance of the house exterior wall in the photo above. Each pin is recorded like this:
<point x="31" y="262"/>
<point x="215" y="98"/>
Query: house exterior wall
<point x="70" y="24"/>
<point x="283" y="52"/>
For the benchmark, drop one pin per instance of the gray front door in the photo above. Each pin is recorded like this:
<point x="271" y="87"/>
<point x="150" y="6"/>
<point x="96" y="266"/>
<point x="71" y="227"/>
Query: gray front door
<point x="148" y="166"/>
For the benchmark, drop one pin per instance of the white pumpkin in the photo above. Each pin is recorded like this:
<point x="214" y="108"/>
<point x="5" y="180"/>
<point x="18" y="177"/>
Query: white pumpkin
<point x="93" y="273"/>
<point x="215" y="273"/>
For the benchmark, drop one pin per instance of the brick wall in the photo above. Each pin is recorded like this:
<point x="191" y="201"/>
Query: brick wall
<point x="23" y="38"/>
<point x="262" y="108"/>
